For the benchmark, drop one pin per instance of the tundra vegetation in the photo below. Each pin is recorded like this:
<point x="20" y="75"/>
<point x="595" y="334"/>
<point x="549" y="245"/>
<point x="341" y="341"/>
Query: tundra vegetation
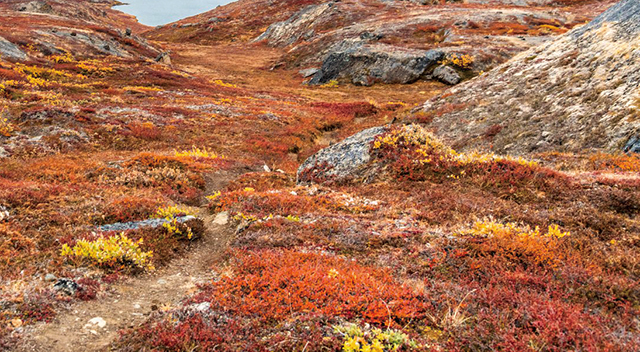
<point x="430" y="249"/>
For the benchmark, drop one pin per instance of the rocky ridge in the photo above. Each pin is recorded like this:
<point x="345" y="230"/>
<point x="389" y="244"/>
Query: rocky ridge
<point x="56" y="27"/>
<point x="577" y="93"/>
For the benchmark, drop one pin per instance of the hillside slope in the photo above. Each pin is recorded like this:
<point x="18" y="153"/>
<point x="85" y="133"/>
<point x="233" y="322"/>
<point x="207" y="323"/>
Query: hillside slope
<point x="576" y="93"/>
<point x="32" y="30"/>
<point x="384" y="35"/>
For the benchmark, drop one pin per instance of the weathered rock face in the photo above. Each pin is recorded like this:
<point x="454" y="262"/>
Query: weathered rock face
<point x="340" y="161"/>
<point x="296" y="27"/>
<point x="625" y="15"/>
<point x="576" y="93"/>
<point x="35" y="7"/>
<point x="367" y="64"/>
<point x="85" y="28"/>
<point x="10" y="50"/>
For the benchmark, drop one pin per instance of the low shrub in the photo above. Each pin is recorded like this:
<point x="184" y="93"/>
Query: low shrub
<point x="517" y="244"/>
<point x="115" y="252"/>
<point x="277" y="284"/>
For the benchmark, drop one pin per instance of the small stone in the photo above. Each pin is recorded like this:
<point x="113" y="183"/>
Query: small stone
<point x="266" y="168"/>
<point x="66" y="286"/>
<point x="16" y="323"/>
<point x="164" y="58"/>
<point x="96" y="322"/>
<point x="50" y="277"/>
<point x="221" y="218"/>
<point x="202" y="307"/>
<point x="136" y="306"/>
<point x="446" y="74"/>
<point x="308" y="72"/>
<point x="162" y="282"/>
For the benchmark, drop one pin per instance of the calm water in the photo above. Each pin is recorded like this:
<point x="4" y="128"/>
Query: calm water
<point x="157" y="12"/>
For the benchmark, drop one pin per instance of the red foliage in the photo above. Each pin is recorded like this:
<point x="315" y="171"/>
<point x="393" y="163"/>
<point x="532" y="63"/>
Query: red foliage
<point x="354" y="110"/>
<point x="145" y="131"/>
<point x="277" y="285"/>
<point x="87" y="289"/>
<point x="129" y="208"/>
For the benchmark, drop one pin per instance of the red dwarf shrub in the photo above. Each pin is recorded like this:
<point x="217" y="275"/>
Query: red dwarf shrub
<point x="277" y="284"/>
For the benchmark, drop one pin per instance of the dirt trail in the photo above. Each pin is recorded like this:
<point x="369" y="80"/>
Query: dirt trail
<point x="128" y="303"/>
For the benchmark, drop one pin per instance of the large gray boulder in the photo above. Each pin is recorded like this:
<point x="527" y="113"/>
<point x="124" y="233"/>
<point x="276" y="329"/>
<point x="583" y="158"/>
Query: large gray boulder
<point x="341" y="160"/>
<point x="366" y="64"/>
<point x="11" y="51"/>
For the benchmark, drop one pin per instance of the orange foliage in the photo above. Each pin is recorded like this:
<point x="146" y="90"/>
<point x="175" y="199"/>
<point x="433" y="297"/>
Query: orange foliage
<point x="277" y="285"/>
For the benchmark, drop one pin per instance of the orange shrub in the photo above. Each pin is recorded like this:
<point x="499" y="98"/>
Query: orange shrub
<point x="516" y="244"/>
<point x="277" y="284"/>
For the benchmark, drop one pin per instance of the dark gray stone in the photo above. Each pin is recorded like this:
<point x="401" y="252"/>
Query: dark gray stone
<point x="340" y="160"/>
<point x="446" y="74"/>
<point x="66" y="286"/>
<point x="633" y="145"/>
<point x="367" y="64"/>
<point x="371" y="36"/>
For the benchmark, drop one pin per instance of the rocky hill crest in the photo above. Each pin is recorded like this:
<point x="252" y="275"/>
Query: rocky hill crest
<point x="576" y="93"/>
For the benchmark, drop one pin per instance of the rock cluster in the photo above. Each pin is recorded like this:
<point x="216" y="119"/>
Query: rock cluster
<point x="313" y="33"/>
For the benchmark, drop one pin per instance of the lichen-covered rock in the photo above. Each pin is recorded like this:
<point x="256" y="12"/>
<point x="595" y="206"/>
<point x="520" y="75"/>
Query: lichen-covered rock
<point x="35" y="7"/>
<point x="66" y="286"/>
<point x="296" y="27"/>
<point x="625" y="15"/>
<point x="341" y="160"/>
<point x="578" y="93"/>
<point x="367" y="64"/>
<point x="134" y="225"/>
